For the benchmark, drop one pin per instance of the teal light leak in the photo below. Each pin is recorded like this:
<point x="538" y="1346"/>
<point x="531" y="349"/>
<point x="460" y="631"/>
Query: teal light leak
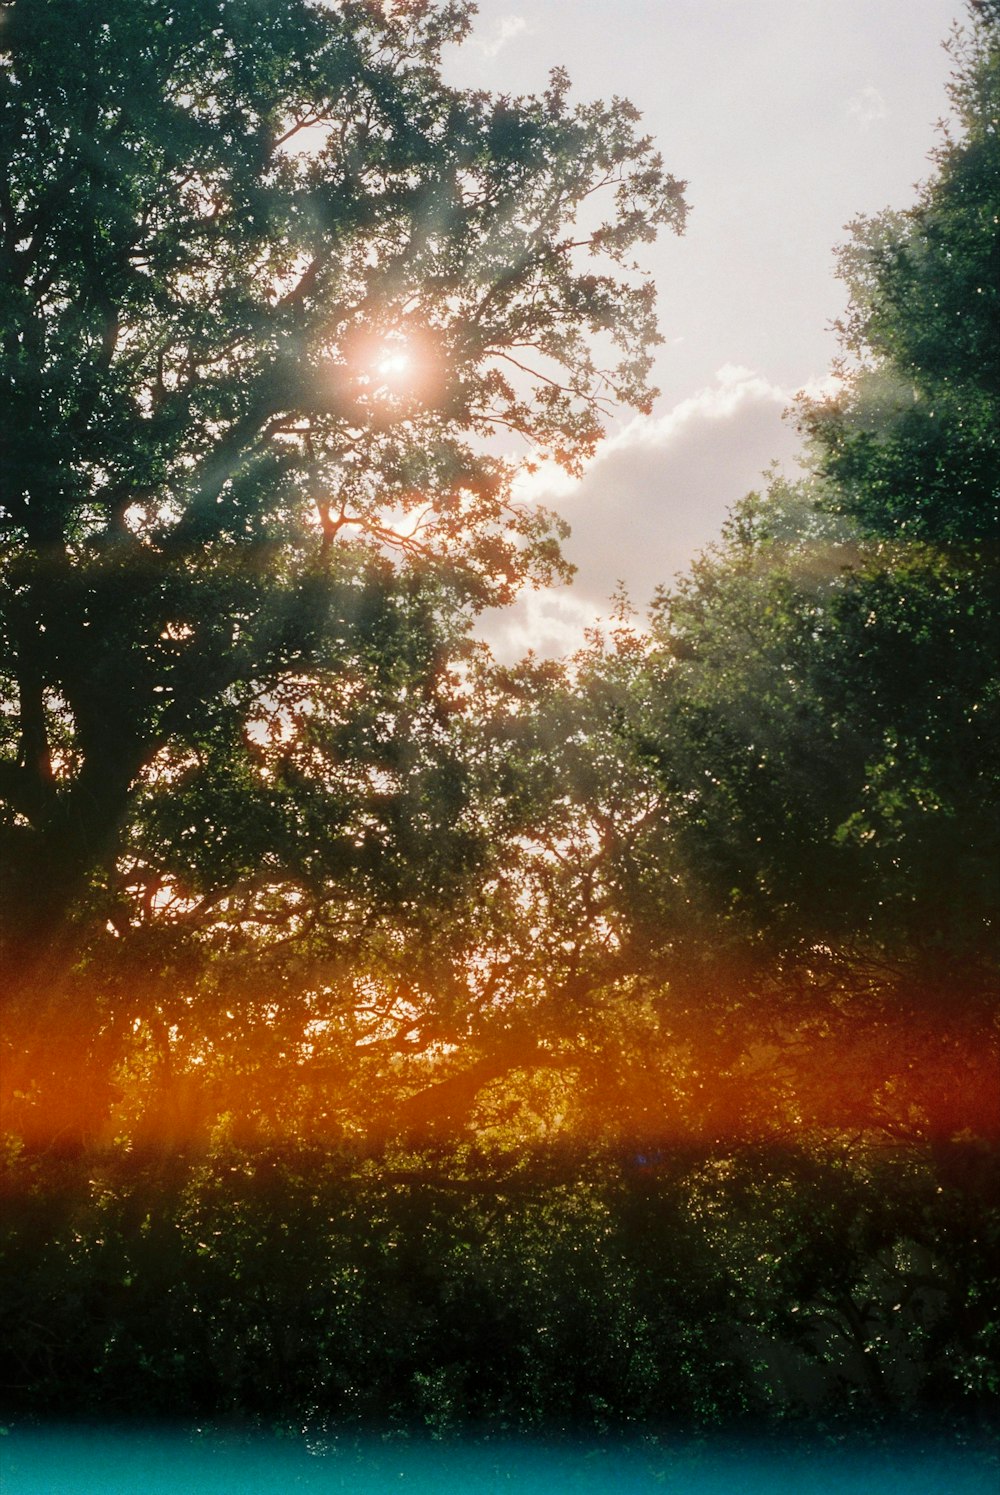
<point x="101" y="1462"/>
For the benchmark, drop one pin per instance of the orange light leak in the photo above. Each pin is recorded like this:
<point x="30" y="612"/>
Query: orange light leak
<point x="71" y="1082"/>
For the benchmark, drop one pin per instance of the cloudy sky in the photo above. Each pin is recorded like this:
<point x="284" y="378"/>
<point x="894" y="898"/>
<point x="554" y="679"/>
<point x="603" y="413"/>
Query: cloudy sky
<point x="788" y="118"/>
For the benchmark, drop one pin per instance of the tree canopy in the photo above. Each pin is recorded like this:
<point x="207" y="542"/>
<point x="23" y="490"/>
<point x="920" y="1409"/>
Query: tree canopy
<point x="270" y="288"/>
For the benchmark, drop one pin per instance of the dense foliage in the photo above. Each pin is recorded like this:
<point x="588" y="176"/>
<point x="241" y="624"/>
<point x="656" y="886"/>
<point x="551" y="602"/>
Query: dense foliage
<point x="396" y="1037"/>
<point x="551" y="1289"/>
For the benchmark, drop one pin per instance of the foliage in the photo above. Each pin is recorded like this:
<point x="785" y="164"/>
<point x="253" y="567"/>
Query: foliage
<point x="912" y="442"/>
<point x="334" y="1290"/>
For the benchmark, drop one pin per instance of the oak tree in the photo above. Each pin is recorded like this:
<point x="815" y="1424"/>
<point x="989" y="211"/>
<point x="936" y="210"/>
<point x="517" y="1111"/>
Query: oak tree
<point x="271" y="290"/>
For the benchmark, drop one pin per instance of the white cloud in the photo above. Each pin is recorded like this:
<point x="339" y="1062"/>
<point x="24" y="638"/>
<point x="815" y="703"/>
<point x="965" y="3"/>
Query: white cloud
<point x="654" y="496"/>
<point x="551" y="622"/>
<point x="504" y="31"/>
<point x="659" y="490"/>
<point x="867" y="107"/>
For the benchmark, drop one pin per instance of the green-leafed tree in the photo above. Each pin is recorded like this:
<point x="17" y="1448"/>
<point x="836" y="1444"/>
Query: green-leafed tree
<point x="910" y="443"/>
<point x="830" y="672"/>
<point x="270" y="288"/>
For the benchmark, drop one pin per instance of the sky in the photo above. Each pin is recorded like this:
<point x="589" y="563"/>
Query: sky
<point x="788" y="119"/>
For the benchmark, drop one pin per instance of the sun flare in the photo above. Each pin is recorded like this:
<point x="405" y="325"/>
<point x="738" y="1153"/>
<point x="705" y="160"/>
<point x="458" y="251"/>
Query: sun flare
<point x="393" y="365"/>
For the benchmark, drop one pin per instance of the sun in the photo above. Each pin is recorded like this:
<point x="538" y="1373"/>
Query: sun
<point x="393" y="370"/>
<point x="393" y="364"/>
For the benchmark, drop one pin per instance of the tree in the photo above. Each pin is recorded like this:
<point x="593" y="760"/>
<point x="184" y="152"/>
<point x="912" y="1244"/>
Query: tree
<point x="822" y="698"/>
<point x="270" y="288"/>
<point x="911" y="440"/>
